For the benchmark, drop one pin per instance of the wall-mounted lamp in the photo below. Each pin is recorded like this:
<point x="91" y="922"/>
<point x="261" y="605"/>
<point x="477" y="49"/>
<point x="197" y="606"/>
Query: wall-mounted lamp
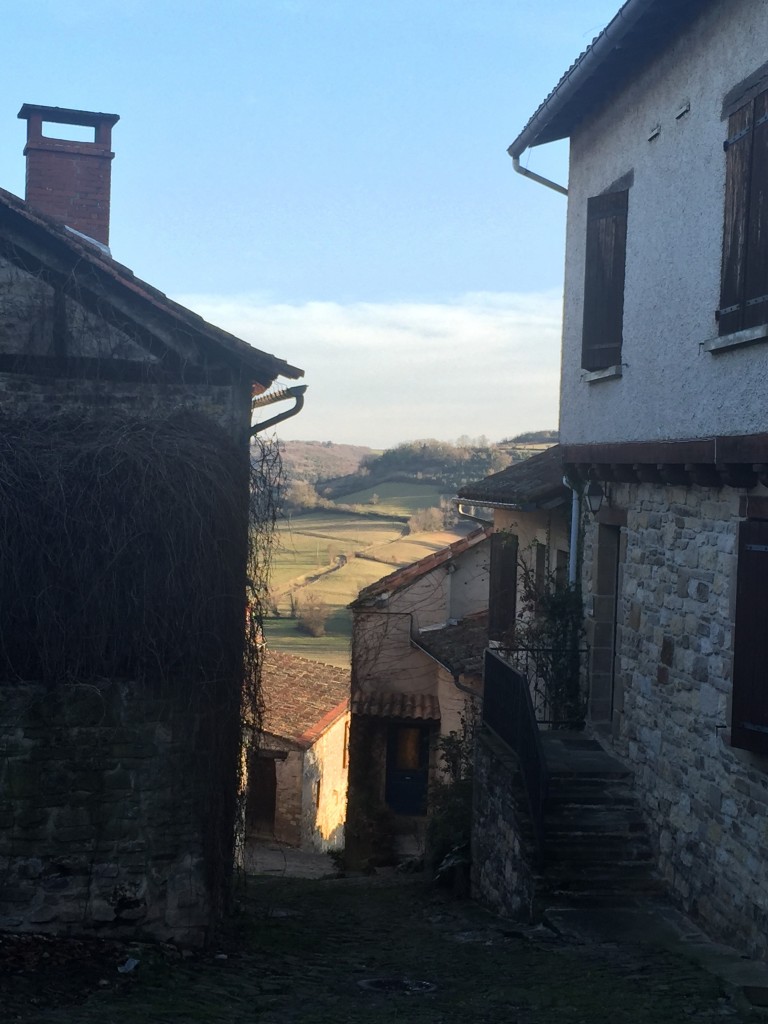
<point x="594" y="495"/>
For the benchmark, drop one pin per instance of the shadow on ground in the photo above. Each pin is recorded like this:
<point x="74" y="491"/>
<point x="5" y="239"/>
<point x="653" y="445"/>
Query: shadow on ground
<point x="379" y="950"/>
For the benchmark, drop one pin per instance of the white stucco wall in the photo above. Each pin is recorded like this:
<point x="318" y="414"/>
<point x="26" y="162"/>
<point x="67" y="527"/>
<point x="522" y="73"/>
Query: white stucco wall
<point x="551" y="529"/>
<point x="469" y="583"/>
<point x="323" y="822"/>
<point x="673" y="388"/>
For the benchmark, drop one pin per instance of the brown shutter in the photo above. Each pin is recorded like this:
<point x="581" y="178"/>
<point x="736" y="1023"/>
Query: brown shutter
<point x="604" y="280"/>
<point x="502" y="600"/>
<point x="749" y="719"/>
<point x="737" y="195"/>
<point x="756" y="269"/>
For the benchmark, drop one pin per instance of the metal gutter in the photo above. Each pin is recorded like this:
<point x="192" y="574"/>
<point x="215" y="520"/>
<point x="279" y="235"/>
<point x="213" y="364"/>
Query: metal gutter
<point x="538" y="177"/>
<point x="609" y="40"/>
<point x="296" y="393"/>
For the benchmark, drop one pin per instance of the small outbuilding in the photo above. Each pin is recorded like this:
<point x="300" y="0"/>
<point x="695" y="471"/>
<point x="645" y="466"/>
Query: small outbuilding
<point x="297" y="779"/>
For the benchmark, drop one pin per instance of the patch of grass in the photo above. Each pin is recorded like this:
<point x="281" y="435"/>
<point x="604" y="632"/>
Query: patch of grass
<point x="333" y="648"/>
<point x="307" y="543"/>
<point x="397" y="498"/>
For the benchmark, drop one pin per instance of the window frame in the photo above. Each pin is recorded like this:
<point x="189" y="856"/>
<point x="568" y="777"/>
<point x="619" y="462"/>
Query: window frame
<point x="604" y="280"/>
<point x="744" y="258"/>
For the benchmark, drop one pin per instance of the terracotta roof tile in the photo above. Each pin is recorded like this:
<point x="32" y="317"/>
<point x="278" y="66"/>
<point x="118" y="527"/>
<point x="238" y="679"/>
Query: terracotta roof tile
<point x="416" y="706"/>
<point x="300" y="694"/>
<point x="410" y="573"/>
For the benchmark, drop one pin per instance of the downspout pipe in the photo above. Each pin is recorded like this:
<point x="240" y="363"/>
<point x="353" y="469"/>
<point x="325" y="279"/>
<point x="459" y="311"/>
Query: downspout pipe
<point x="537" y="177"/>
<point x="574" y="542"/>
<point x="296" y="393"/>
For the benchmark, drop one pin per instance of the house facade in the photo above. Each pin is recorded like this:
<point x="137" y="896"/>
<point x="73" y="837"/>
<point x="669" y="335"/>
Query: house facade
<point x="124" y="487"/>
<point x="665" y="350"/>
<point x="417" y="641"/>
<point x="297" y="777"/>
<point x="530" y="508"/>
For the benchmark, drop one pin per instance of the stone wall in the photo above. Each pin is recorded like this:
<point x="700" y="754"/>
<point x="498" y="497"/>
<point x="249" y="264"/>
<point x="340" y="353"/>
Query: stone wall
<point x="502" y="872"/>
<point x="102" y="813"/>
<point x="289" y="773"/>
<point x="707" y="802"/>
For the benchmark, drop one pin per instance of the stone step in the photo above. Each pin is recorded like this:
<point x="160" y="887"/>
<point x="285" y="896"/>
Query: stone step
<point x="604" y="818"/>
<point x="584" y="791"/>
<point x="617" y="775"/>
<point x="621" y="846"/>
<point x="602" y="898"/>
<point x="624" y="871"/>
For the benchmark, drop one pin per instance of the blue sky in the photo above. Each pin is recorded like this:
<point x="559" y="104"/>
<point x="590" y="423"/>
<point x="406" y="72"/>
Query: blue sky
<point x="328" y="179"/>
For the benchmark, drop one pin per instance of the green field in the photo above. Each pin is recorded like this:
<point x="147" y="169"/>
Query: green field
<point x="396" y="498"/>
<point x="333" y="648"/>
<point x="307" y="545"/>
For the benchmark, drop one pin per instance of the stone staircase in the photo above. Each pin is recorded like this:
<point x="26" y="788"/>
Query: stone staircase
<point x="596" y="850"/>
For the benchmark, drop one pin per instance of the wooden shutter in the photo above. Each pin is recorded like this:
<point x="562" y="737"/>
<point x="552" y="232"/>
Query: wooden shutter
<point x="738" y="161"/>
<point x="749" y="719"/>
<point x="502" y="600"/>
<point x="756" y="263"/>
<point x="604" y="280"/>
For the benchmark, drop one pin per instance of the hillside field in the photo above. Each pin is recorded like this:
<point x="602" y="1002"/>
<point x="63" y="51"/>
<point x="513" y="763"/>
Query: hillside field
<point x="308" y="544"/>
<point x="396" y="498"/>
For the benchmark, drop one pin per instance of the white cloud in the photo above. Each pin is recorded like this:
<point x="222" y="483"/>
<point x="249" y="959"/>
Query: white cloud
<point x="381" y="373"/>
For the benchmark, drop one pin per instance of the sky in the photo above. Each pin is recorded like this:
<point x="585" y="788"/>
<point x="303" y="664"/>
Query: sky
<point x="328" y="179"/>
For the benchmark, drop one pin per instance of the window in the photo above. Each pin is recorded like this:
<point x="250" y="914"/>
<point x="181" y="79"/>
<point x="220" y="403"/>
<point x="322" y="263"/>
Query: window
<point x="749" y="712"/>
<point x="744" y="282"/>
<point x="604" y="280"/>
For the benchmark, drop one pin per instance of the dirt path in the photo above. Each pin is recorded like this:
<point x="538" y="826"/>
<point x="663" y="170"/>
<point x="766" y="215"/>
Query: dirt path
<point x="375" y="951"/>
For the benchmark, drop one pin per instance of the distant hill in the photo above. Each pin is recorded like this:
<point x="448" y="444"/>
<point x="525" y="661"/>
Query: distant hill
<point x="414" y="475"/>
<point x="533" y="437"/>
<point x="311" y="461"/>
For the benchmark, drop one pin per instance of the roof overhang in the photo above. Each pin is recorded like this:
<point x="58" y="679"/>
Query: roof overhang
<point x="406" y="706"/>
<point x="730" y="460"/>
<point x="637" y="33"/>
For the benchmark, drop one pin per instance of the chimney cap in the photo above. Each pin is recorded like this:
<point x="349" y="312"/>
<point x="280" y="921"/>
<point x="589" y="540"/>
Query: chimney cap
<point x="66" y="115"/>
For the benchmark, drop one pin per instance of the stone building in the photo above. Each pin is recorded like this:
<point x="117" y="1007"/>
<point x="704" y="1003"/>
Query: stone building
<point x="417" y="641"/>
<point x="531" y="511"/>
<point x="124" y="500"/>
<point x="297" y="779"/>
<point x="663" y="417"/>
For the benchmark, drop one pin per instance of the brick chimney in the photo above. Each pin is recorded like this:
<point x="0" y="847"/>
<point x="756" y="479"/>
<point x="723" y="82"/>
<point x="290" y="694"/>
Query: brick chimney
<point x="70" y="180"/>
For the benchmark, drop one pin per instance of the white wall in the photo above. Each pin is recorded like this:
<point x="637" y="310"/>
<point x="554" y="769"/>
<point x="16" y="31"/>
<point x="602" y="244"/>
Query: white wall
<point x="325" y="762"/>
<point x="469" y="583"/>
<point x="670" y="387"/>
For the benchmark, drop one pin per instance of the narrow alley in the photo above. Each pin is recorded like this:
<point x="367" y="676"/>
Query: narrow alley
<point x="376" y="949"/>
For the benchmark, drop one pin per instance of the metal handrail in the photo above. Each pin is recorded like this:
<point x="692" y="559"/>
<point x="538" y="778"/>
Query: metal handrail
<point x="508" y="712"/>
<point x="553" y="675"/>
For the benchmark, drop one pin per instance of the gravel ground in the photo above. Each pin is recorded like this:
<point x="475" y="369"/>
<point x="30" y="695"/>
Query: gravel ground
<point x="376" y="950"/>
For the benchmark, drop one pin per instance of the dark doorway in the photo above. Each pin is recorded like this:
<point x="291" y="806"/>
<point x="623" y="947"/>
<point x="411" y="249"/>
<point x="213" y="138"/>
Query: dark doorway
<point x="262" y="795"/>
<point x="407" y="769"/>
<point x="607" y="591"/>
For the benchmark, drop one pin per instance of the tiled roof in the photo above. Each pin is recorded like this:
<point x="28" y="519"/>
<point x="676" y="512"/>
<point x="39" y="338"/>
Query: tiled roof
<point x="533" y="483"/>
<point x="458" y="646"/>
<point x="637" y="33"/>
<point x="410" y="573"/>
<point x="301" y="695"/>
<point x="71" y="253"/>
<point x="415" y="706"/>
